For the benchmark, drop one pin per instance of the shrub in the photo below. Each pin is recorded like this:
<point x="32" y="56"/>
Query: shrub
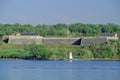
<point x="39" y="52"/>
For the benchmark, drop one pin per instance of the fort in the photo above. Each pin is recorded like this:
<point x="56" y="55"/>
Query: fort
<point x="29" y="38"/>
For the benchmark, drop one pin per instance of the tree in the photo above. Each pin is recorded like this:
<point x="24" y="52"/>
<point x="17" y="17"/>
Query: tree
<point x="39" y="52"/>
<point x="60" y="26"/>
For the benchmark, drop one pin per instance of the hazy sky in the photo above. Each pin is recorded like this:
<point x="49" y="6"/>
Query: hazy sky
<point x="59" y="11"/>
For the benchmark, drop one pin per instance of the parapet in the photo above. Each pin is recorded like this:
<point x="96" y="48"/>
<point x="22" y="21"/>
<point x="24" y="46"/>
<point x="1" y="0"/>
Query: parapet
<point x="20" y="39"/>
<point x="110" y="36"/>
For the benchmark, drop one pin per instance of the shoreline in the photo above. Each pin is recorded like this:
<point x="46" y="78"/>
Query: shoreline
<point x="64" y="59"/>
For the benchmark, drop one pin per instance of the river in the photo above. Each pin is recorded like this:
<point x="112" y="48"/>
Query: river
<point x="59" y="70"/>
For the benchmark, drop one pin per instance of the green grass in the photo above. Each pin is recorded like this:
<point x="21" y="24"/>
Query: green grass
<point x="60" y="52"/>
<point x="14" y="54"/>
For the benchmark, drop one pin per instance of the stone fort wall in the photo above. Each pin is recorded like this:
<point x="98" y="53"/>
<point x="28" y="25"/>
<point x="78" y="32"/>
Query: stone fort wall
<point x="66" y="41"/>
<point x="13" y="39"/>
<point x="41" y="40"/>
<point x="25" y="39"/>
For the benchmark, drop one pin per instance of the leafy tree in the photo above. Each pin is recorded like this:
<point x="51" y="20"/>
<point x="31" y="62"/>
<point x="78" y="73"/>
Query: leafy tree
<point x="60" y="26"/>
<point x="76" y="29"/>
<point x="39" y="52"/>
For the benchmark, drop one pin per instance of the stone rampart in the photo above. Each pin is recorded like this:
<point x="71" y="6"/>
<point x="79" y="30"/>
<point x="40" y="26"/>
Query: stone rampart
<point x="66" y="41"/>
<point x="93" y="41"/>
<point x="25" y="39"/>
<point x="13" y="39"/>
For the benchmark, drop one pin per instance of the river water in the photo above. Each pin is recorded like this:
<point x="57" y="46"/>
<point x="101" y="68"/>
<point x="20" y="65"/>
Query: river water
<point x="59" y="70"/>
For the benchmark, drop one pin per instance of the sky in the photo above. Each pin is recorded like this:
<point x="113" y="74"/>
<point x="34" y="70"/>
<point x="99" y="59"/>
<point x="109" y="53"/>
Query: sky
<point x="59" y="11"/>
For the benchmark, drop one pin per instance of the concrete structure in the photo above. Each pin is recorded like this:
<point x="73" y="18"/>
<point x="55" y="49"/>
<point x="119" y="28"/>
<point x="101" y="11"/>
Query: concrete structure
<point x="93" y="41"/>
<point x="110" y="36"/>
<point x="14" y="39"/>
<point x="60" y="40"/>
<point x="29" y="38"/>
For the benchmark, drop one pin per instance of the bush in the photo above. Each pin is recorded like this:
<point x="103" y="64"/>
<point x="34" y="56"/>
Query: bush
<point x="39" y="52"/>
<point x="83" y="53"/>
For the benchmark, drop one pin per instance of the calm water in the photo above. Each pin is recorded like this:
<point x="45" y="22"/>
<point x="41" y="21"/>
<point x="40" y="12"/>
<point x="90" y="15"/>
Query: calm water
<point x="59" y="70"/>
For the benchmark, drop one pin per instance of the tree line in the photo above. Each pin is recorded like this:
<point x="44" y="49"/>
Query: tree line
<point x="62" y="30"/>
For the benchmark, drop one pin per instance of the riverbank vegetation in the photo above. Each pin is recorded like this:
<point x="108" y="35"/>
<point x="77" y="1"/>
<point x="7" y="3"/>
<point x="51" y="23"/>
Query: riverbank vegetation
<point x="109" y="51"/>
<point x="60" y="52"/>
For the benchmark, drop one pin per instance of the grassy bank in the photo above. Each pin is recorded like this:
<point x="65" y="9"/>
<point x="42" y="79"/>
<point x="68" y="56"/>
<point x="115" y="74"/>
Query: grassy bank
<point x="60" y="52"/>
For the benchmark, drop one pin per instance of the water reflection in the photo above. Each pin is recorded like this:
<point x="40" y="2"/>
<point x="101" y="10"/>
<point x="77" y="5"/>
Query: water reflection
<point x="59" y="70"/>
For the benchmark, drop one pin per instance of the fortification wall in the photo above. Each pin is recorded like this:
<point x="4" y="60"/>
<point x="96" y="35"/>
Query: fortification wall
<point x="112" y="38"/>
<point x="58" y="40"/>
<point x="67" y="41"/>
<point x="25" y="39"/>
<point x="41" y="40"/>
<point x="93" y="40"/>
